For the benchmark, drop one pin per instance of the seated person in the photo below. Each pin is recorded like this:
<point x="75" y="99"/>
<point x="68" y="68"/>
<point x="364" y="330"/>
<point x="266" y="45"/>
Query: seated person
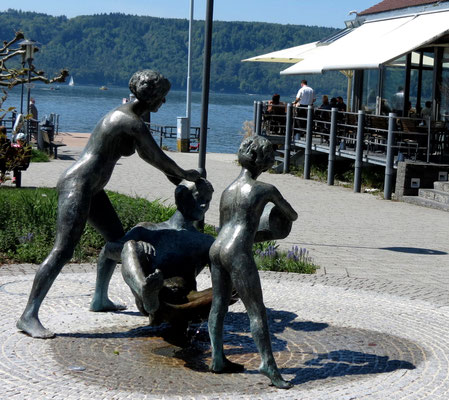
<point x="275" y="106"/>
<point x="276" y="114"/>
<point x="19" y="140"/>
<point x="385" y="109"/>
<point x="171" y="254"/>
<point x="14" y="155"/>
<point x="426" y="112"/>
<point x="325" y="105"/>
<point x="411" y="111"/>
<point x="323" y="115"/>
<point x="341" y="104"/>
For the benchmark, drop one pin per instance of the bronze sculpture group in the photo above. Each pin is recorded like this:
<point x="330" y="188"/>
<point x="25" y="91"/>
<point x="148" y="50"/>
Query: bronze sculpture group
<point x="160" y="262"/>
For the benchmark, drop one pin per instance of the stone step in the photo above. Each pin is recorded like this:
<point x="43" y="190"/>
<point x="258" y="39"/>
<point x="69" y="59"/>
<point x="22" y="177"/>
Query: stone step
<point x="420" y="201"/>
<point x="436" y="195"/>
<point x="442" y="186"/>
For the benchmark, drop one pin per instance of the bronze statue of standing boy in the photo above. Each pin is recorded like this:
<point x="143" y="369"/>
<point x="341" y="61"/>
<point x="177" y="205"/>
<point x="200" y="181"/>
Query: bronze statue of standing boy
<point x="241" y="208"/>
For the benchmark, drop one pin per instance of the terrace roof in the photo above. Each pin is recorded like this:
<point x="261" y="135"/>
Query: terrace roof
<point x="389" y="5"/>
<point x="374" y="43"/>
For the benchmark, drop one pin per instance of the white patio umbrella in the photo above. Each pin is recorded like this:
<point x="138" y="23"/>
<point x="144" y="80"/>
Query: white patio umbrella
<point x="291" y="55"/>
<point x="294" y="55"/>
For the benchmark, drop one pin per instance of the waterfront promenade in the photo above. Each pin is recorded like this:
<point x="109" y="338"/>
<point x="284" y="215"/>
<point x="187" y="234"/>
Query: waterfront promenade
<point x="372" y="323"/>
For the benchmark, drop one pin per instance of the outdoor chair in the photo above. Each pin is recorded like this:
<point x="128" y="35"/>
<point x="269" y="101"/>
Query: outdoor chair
<point x="415" y="135"/>
<point x="350" y="122"/>
<point x="322" y="119"/>
<point x="273" y="123"/>
<point x="377" y="133"/>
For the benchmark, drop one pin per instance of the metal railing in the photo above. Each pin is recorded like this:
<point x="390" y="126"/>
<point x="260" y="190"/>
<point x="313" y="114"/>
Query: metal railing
<point x="364" y="138"/>
<point x="170" y="132"/>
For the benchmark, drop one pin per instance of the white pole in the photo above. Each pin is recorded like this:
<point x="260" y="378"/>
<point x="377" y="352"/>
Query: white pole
<point x="189" y="70"/>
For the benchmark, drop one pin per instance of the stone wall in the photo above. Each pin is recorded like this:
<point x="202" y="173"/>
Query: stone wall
<point x="409" y="172"/>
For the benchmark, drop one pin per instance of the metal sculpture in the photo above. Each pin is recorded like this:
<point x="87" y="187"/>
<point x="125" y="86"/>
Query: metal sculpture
<point x="82" y="198"/>
<point x="241" y="208"/>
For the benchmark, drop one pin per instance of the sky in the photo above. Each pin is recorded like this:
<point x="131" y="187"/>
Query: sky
<point x="329" y="13"/>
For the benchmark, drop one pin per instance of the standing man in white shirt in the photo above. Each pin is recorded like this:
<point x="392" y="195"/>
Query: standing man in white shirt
<point x="304" y="98"/>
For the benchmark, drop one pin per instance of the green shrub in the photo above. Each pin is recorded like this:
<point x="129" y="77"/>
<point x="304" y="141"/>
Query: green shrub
<point x="12" y="157"/>
<point x="27" y="223"/>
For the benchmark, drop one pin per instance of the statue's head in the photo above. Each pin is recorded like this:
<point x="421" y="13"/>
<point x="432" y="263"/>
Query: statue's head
<point x="193" y="198"/>
<point x="256" y="154"/>
<point x="150" y="87"/>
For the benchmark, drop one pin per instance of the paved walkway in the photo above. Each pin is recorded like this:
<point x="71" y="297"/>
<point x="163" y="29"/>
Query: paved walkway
<point x="372" y="323"/>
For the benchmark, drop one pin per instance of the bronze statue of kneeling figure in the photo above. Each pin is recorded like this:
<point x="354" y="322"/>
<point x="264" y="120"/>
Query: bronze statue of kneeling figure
<point x="160" y="262"/>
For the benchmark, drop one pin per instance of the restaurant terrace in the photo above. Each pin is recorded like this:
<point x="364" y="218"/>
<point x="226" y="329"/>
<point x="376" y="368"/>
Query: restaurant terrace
<point x="396" y="58"/>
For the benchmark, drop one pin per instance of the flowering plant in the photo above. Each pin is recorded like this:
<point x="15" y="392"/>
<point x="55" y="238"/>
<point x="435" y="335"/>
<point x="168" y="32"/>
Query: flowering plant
<point x="269" y="257"/>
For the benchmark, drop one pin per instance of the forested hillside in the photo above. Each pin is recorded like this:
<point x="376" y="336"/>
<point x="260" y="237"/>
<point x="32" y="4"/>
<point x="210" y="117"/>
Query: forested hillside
<point x="106" y="49"/>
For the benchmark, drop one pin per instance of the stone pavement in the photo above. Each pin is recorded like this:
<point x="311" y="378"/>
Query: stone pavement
<point x="371" y="324"/>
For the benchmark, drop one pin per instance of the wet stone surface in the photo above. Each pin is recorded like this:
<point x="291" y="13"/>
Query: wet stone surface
<point x="310" y="354"/>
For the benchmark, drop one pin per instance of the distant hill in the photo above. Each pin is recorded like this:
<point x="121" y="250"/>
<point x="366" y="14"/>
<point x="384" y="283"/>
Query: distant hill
<point x="107" y="49"/>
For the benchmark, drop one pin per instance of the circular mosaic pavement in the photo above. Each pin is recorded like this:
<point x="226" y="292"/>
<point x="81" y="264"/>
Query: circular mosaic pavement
<point x="307" y="353"/>
<point x="332" y="343"/>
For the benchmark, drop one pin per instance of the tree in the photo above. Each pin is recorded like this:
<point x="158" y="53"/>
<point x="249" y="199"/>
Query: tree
<point x="16" y="156"/>
<point x="10" y="77"/>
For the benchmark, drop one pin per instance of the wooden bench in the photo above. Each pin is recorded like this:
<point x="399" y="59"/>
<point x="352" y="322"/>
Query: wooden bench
<point x="51" y="145"/>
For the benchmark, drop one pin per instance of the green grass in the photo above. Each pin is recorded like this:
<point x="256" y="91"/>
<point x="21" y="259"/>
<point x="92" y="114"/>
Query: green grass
<point x="372" y="176"/>
<point x="28" y="228"/>
<point x="39" y="156"/>
<point x="28" y="223"/>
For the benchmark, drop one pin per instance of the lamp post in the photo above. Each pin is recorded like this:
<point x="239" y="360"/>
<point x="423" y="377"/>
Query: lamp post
<point x="206" y="85"/>
<point x="189" y="70"/>
<point x="21" y="94"/>
<point x="183" y="123"/>
<point x="29" y="53"/>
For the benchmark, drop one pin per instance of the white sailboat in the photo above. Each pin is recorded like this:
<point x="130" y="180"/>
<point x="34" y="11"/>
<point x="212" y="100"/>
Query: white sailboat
<point x="71" y="82"/>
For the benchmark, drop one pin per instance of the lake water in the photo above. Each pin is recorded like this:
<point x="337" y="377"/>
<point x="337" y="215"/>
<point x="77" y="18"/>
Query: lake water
<point x="81" y="106"/>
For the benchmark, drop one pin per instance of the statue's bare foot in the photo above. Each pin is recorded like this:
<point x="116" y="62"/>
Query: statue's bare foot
<point x="34" y="328"/>
<point x="98" y="305"/>
<point x="139" y="305"/>
<point x="150" y="291"/>
<point x="276" y="378"/>
<point x="225" y="366"/>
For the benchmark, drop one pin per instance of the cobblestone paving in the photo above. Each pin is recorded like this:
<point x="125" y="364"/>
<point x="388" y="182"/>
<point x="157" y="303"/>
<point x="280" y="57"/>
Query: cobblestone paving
<point x="332" y="342"/>
<point x="371" y="324"/>
<point x="349" y="234"/>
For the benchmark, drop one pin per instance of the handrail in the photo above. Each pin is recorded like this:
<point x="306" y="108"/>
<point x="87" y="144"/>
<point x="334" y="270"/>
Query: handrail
<point x="170" y="132"/>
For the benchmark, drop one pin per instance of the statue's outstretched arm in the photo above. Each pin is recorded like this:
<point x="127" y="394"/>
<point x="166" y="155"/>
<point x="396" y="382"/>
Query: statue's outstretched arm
<point x="149" y="151"/>
<point x="283" y="205"/>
